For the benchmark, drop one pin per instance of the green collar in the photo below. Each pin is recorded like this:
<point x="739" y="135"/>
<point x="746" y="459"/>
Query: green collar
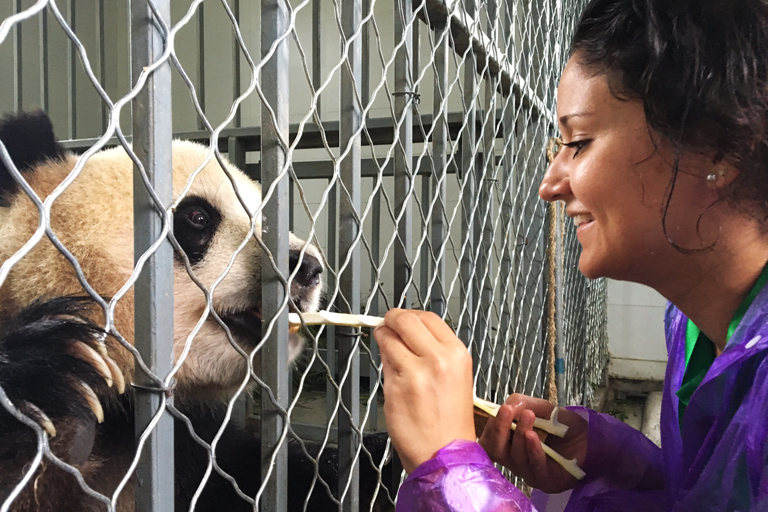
<point x="700" y="350"/>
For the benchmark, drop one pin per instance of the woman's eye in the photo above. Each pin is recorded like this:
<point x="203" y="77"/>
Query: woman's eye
<point x="578" y="144"/>
<point x="198" y="218"/>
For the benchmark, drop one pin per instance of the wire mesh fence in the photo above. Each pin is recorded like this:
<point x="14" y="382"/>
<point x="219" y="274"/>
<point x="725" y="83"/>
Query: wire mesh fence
<point x="399" y="144"/>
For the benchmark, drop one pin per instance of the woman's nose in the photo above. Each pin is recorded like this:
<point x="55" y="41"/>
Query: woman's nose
<point x="556" y="185"/>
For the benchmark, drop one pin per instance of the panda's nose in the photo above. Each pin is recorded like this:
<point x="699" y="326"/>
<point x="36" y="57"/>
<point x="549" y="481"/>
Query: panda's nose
<point x="310" y="270"/>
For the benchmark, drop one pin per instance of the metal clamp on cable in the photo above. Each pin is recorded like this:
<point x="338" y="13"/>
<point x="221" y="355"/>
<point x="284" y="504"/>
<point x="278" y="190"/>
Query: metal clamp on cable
<point x="168" y="392"/>
<point x="350" y="334"/>
<point x="415" y="96"/>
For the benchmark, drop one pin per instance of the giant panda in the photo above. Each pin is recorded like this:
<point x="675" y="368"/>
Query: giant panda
<point x="58" y="367"/>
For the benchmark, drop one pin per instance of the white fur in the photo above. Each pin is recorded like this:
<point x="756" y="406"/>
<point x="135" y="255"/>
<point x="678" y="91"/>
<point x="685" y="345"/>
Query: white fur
<point x="93" y="218"/>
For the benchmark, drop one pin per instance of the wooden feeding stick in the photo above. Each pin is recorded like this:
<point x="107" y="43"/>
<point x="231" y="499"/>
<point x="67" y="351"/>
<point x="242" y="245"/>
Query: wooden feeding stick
<point x="485" y="409"/>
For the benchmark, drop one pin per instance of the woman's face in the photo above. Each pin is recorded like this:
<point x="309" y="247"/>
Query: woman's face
<point x="614" y="179"/>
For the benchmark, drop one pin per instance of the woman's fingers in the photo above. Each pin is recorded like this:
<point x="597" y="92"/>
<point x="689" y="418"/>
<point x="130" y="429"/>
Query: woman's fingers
<point x="395" y="354"/>
<point x="541" y="408"/>
<point x="495" y="437"/>
<point x="437" y="326"/>
<point x="536" y="456"/>
<point x="411" y="330"/>
<point x="519" y="450"/>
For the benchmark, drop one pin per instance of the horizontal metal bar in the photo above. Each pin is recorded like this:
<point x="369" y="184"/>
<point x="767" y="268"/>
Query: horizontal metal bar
<point x="324" y="169"/>
<point x="381" y="131"/>
<point x="309" y="431"/>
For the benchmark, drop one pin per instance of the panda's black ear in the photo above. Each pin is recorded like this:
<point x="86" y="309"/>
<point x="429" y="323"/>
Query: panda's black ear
<point x="29" y="139"/>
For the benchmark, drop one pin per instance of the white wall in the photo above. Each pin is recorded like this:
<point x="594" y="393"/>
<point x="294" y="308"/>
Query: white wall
<point x="636" y="331"/>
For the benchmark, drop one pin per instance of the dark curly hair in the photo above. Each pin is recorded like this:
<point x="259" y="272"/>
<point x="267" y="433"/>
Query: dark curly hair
<point x="700" y="67"/>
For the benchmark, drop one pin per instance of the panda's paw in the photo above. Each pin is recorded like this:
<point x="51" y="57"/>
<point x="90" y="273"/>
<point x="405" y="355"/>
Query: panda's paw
<point x="54" y="364"/>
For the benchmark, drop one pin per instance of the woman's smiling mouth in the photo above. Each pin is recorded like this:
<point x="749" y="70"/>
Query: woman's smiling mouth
<point x="582" y="220"/>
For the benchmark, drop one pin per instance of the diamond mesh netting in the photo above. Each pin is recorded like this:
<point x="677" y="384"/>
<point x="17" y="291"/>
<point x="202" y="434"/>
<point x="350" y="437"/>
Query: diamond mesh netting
<point x="401" y="142"/>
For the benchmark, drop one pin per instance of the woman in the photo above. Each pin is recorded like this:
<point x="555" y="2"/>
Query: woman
<point x="663" y="110"/>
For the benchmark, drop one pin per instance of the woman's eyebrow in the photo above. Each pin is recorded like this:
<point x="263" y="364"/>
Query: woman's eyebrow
<point x="566" y="118"/>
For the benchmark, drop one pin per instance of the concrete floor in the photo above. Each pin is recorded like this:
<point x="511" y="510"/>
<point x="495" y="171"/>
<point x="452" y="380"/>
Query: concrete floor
<point x="310" y="409"/>
<point x="641" y="413"/>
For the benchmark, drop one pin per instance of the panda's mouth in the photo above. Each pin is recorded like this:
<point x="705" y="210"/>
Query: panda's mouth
<point x="245" y="325"/>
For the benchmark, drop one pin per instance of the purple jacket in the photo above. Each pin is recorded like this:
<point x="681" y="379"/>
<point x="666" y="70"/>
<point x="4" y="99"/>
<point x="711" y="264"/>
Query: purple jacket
<point x="718" y="463"/>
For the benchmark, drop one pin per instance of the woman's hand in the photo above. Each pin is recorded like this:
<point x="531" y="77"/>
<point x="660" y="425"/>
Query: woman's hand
<point x="427" y="385"/>
<point x="524" y="455"/>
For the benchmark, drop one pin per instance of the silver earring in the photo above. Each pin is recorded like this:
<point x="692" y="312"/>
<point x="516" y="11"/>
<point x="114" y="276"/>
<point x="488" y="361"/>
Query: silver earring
<point x="711" y="177"/>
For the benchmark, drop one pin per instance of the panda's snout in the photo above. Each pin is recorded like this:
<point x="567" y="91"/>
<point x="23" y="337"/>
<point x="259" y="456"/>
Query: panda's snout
<point x="310" y="270"/>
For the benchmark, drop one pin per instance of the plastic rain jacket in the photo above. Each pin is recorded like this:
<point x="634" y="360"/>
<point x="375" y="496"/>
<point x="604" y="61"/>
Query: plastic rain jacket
<point x="718" y="463"/>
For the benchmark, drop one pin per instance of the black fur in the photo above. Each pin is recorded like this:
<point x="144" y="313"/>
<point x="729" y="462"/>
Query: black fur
<point x="239" y="454"/>
<point x="35" y="367"/>
<point x="195" y="239"/>
<point x="29" y="140"/>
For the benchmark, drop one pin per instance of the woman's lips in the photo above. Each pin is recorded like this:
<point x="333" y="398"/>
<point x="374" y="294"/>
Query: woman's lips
<point x="582" y="221"/>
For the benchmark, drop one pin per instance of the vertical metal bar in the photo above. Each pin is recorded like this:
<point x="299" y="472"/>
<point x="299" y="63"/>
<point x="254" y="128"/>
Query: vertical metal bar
<point x="519" y="165"/>
<point x="425" y="264"/>
<point x="330" y="351"/>
<point x="479" y="348"/>
<point x="291" y="199"/>
<point x="316" y="50"/>
<point x="349" y="228"/>
<point x="426" y="191"/>
<point x="236" y="85"/>
<point x="373" y="371"/>
<point x="236" y="152"/>
<point x="275" y="20"/>
<point x="44" y="102"/>
<point x="18" y="82"/>
<point x="403" y="152"/>
<point x="129" y="20"/>
<point x="153" y="292"/>
<point x="72" y="71"/>
<point x="102" y="62"/>
<point x="484" y="269"/>
<point x="415" y="52"/>
<point x="402" y="166"/>
<point x="236" y="155"/>
<point x="200" y="61"/>
<point x="366" y="70"/>
<point x="526" y="300"/>
<point x="437" y="302"/>
<point x="559" y="304"/>
<point x="508" y="189"/>
<point x="468" y="171"/>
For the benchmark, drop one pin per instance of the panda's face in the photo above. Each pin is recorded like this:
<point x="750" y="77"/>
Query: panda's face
<point x="217" y="230"/>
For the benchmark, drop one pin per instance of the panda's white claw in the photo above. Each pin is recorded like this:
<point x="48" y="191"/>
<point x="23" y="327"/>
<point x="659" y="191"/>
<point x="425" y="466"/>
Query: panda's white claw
<point x="39" y="416"/>
<point x="93" y="401"/>
<point x="103" y="350"/>
<point x="88" y="354"/>
<point x="117" y="375"/>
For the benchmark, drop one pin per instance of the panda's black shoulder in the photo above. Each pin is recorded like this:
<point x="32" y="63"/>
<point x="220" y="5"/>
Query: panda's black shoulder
<point x="29" y="139"/>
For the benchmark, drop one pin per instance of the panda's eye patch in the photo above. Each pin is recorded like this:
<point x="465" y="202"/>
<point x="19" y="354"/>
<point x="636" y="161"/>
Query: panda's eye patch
<point x="195" y="222"/>
<point x="197" y="218"/>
